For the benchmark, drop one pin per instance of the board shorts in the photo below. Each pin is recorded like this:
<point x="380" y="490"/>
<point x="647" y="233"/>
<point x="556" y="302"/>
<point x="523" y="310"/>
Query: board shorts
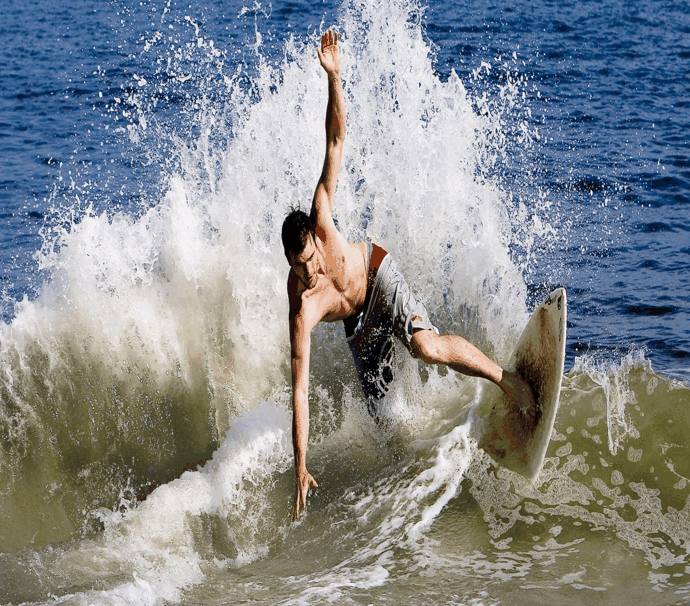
<point x="387" y="314"/>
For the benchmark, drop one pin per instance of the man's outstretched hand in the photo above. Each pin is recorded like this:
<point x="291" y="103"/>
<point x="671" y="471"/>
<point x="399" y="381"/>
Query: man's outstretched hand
<point x="329" y="54"/>
<point x="304" y="483"/>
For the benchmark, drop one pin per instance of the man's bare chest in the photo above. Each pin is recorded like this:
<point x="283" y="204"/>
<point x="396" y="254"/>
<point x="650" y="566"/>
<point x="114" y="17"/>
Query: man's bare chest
<point x="332" y="300"/>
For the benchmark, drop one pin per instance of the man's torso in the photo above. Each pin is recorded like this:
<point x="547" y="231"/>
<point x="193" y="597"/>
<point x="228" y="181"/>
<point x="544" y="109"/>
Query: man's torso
<point x="341" y="285"/>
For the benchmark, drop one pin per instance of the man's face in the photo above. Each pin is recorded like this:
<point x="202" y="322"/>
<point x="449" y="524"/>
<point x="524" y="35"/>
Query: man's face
<point x="305" y="265"/>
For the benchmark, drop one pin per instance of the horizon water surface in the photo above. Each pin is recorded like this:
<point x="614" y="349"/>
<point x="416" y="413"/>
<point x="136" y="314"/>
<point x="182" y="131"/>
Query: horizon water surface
<point x="150" y="151"/>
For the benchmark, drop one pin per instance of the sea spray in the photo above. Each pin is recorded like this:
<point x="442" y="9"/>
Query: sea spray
<point x="411" y="159"/>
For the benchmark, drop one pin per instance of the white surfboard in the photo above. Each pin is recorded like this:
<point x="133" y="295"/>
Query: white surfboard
<point x="515" y="438"/>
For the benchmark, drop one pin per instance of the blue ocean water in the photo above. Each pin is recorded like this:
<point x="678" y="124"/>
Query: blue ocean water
<point x="149" y="152"/>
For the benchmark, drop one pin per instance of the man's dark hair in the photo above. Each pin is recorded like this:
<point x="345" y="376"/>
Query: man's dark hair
<point x="297" y="228"/>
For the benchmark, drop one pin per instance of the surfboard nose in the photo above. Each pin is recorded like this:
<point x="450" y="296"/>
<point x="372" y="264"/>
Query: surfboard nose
<point x="558" y="297"/>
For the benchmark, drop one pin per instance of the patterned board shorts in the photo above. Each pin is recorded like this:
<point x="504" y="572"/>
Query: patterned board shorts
<point x="388" y="312"/>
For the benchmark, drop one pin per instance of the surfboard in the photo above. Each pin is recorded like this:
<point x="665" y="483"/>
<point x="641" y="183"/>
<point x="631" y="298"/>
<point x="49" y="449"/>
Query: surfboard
<point x="515" y="436"/>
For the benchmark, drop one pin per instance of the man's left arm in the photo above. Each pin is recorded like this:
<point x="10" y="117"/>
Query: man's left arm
<point x="301" y="324"/>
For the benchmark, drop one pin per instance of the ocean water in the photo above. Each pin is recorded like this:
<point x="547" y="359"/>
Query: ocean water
<point x="149" y="153"/>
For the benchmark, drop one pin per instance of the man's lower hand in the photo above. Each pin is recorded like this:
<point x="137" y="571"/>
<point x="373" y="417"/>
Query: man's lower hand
<point x="304" y="483"/>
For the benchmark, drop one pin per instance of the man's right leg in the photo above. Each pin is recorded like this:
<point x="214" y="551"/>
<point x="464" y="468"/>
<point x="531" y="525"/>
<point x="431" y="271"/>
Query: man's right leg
<point x="465" y="358"/>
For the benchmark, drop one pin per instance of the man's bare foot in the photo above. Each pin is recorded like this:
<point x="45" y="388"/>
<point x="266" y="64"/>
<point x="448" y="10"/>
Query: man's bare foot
<point x="520" y="394"/>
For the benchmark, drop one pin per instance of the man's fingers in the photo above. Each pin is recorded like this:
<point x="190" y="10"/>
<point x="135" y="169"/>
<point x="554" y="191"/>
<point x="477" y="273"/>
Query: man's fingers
<point x="310" y="483"/>
<point x="301" y="495"/>
<point x="329" y="39"/>
<point x="300" y="500"/>
<point x="295" y="507"/>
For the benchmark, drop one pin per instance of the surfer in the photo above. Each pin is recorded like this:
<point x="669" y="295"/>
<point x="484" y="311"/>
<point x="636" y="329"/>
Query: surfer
<point x="331" y="279"/>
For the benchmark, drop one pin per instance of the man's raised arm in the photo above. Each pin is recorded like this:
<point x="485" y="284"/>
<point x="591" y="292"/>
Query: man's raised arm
<point x="322" y="204"/>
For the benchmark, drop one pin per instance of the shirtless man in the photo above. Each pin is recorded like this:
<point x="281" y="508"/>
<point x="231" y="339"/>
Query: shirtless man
<point x="360" y="284"/>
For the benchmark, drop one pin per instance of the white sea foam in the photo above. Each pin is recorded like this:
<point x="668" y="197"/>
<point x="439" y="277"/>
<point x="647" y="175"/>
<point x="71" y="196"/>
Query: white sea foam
<point x="157" y="543"/>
